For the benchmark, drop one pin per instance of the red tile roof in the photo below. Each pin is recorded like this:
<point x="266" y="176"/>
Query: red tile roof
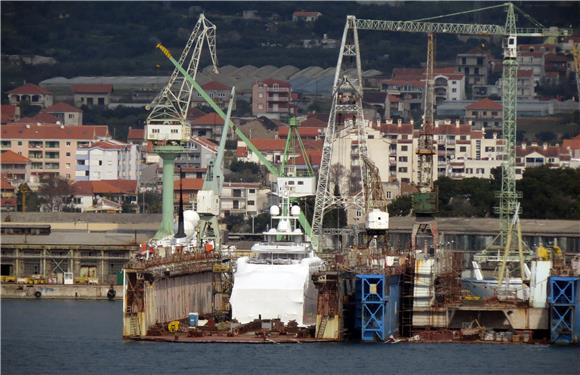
<point x="29" y="88"/>
<point x="51" y="131"/>
<point x="5" y="184"/>
<point x="572" y="144"/>
<point x="211" y="119"/>
<point x="271" y="145"/>
<point x="485" y="104"/>
<point x="303" y="131"/>
<point x="8" y="113"/>
<point x="10" y="157"/>
<point x="396" y="129"/>
<point x="105" y="187"/>
<point x="242" y="152"/>
<point x="215" y="85"/>
<point x="188" y="184"/>
<point x="92" y="89"/>
<point x="108" y="145"/>
<point x="270" y="82"/>
<point x="313" y="155"/>
<point x="548" y="151"/>
<point x="313" y="122"/>
<point x="206" y="142"/>
<point x="462" y="129"/>
<point x="136" y="134"/>
<point x="61" y="107"/>
<point x="42" y="117"/>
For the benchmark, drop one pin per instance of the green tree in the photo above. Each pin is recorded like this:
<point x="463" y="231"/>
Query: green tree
<point x="55" y="191"/>
<point x="401" y="206"/>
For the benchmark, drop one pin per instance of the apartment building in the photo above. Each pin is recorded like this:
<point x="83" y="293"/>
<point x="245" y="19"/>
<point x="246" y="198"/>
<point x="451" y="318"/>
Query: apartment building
<point x="65" y="113"/>
<point x="51" y="148"/>
<point x="209" y="125"/>
<point x="272" y="98"/>
<point x="243" y="198"/>
<point x="31" y="94"/>
<point x="219" y="92"/>
<point x="107" y="160"/>
<point x="15" y="168"/>
<point x="9" y="113"/>
<point x="199" y="151"/>
<point x="475" y="65"/>
<point x="485" y="114"/>
<point x="92" y="94"/>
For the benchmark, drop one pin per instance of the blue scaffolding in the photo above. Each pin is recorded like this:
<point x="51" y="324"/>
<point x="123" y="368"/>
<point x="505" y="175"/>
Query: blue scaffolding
<point x="564" y="298"/>
<point x="371" y="298"/>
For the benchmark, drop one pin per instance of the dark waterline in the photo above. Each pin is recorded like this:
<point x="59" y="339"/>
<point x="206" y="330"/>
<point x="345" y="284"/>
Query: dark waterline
<point x="84" y="337"/>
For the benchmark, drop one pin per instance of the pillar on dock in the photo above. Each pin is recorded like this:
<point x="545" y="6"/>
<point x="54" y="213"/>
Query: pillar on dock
<point x="168" y="154"/>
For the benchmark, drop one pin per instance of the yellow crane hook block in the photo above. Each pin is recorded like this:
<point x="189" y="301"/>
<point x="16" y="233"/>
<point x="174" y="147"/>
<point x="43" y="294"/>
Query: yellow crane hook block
<point x="173" y="326"/>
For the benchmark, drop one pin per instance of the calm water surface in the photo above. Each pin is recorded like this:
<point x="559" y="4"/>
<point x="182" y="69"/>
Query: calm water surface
<point x="84" y="337"/>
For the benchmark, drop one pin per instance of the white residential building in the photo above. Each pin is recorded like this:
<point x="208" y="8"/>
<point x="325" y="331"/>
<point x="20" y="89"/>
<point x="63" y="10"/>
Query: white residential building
<point x="243" y="198"/>
<point x="107" y="160"/>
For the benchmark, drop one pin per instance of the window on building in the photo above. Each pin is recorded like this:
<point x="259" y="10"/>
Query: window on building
<point x="404" y="148"/>
<point x="71" y="115"/>
<point x="260" y="95"/>
<point x="252" y="191"/>
<point x="403" y="159"/>
<point x="236" y="204"/>
<point x="494" y="113"/>
<point x="67" y="153"/>
<point x="403" y="169"/>
<point x="454" y="90"/>
<point x="251" y="203"/>
<point x="389" y="194"/>
<point x="462" y="149"/>
<point x="67" y="165"/>
<point x="101" y="101"/>
<point x="100" y="162"/>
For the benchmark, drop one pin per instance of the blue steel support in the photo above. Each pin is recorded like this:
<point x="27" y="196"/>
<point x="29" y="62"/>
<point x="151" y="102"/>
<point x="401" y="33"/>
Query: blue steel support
<point x="372" y="306"/>
<point x="564" y="298"/>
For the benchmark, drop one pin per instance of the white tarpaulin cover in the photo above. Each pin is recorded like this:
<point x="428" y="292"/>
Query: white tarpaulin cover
<point x="274" y="291"/>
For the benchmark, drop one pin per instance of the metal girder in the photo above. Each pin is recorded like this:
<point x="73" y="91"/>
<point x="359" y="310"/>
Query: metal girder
<point x="455" y="28"/>
<point x="346" y="99"/>
<point x="171" y="106"/>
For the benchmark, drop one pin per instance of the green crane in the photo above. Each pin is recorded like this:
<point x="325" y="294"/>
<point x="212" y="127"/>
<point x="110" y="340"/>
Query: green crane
<point x="508" y="196"/>
<point x="271" y="168"/>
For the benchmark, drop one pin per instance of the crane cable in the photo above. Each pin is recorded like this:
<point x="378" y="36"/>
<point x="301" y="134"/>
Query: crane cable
<point x="458" y="13"/>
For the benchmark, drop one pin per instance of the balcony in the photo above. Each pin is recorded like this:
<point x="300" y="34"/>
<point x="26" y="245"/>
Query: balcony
<point x="51" y="166"/>
<point x="52" y="144"/>
<point x="35" y="144"/>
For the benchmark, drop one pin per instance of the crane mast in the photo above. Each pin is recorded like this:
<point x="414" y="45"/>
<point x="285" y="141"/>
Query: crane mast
<point x="346" y="114"/>
<point x="425" y="201"/>
<point x="508" y="195"/>
<point x="166" y="125"/>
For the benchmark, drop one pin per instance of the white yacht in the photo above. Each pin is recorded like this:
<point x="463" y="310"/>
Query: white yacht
<point x="275" y="281"/>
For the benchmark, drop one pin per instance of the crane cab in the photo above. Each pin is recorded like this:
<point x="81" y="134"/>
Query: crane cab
<point x="377" y="220"/>
<point x="296" y="186"/>
<point x="167" y="133"/>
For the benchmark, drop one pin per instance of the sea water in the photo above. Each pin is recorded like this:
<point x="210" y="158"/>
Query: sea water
<point x="84" y="337"/>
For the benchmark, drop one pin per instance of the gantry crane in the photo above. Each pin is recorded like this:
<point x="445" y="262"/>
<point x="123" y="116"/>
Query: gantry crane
<point x="277" y="172"/>
<point x="166" y="125"/>
<point x="425" y="201"/>
<point x="508" y="196"/>
<point x="208" y="198"/>
<point x="346" y="114"/>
